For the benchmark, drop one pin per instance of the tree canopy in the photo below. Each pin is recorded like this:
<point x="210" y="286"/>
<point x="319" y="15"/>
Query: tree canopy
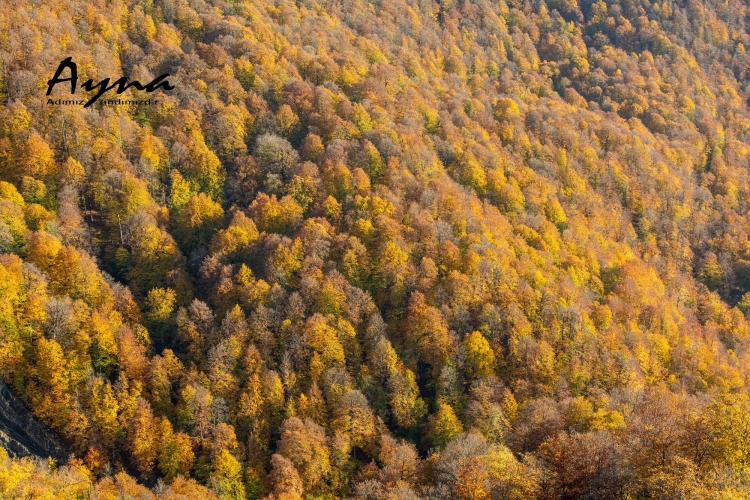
<point x="401" y="249"/>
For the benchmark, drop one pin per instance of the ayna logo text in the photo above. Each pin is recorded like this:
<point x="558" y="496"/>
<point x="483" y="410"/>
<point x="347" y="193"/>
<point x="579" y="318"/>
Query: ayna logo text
<point x="103" y="86"/>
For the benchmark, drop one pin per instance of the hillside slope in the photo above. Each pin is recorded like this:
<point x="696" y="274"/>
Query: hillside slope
<point x="380" y="250"/>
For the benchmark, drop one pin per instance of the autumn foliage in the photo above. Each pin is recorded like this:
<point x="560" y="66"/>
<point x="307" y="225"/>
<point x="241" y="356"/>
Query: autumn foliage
<point x="464" y="249"/>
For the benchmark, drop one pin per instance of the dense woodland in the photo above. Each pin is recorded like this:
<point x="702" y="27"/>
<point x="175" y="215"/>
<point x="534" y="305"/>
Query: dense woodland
<point x="386" y="250"/>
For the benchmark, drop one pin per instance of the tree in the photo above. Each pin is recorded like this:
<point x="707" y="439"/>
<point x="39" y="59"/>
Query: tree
<point x="25" y="476"/>
<point x="13" y="224"/>
<point x="276" y="157"/>
<point x="353" y="416"/>
<point x="555" y="213"/>
<point x="37" y="217"/>
<point x="226" y="133"/>
<point x="180" y="192"/>
<point x="104" y="349"/>
<point x="729" y="424"/>
<point x="49" y="392"/>
<point x="165" y="370"/>
<point x="176" y="453"/>
<point x="103" y="408"/>
<point x="400" y="461"/>
<point x="156" y="260"/>
<point x="234" y="242"/>
<point x="196" y="162"/>
<point x="226" y="477"/>
<point x="243" y="181"/>
<point x="9" y="192"/>
<point x="143" y="437"/>
<point x="160" y="304"/>
<point x="284" y="479"/>
<point x="306" y="446"/>
<point x="407" y="407"/>
<point x="711" y="273"/>
<point x="273" y="215"/>
<point x="74" y="273"/>
<point x="427" y="332"/>
<point x="375" y="164"/>
<point x="33" y="190"/>
<point x="121" y="194"/>
<point x="480" y="360"/>
<point x="43" y="250"/>
<point x="511" y="478"/>
<point x="197" y="222"/>
<point x="327" y="351"/>
<point x="312" y="147"/>
<point x="188" y="488"/>
<point x="443" y="426"/>
<point x="472" y="481"/>
<point x="36" y="157"/>
<point x="586" y="464"/>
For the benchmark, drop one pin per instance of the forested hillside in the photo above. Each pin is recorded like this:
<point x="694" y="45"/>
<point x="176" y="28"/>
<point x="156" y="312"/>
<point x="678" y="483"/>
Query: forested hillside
<point x="385" y="250"/>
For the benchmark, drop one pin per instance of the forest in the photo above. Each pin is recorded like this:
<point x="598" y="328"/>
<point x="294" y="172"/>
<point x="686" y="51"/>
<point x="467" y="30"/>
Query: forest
<point x="379" y="250"/>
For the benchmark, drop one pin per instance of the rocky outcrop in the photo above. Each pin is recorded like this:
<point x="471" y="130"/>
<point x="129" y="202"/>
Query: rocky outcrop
<point x="22" y="434"/>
